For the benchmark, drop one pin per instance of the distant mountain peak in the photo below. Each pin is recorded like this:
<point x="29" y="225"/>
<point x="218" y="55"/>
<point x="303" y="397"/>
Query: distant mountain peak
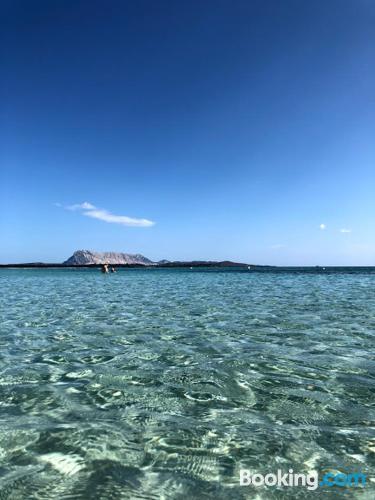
<point x="85" y="257"/>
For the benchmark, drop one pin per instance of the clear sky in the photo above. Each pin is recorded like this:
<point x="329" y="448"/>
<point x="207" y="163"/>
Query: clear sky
<point x="197" y="129"/>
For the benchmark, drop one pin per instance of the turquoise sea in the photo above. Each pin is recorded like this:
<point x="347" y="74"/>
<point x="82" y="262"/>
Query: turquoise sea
<point x="163" y="384"/>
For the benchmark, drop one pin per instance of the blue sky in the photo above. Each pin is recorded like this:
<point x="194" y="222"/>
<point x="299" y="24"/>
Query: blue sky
<point x="190" y="130"/>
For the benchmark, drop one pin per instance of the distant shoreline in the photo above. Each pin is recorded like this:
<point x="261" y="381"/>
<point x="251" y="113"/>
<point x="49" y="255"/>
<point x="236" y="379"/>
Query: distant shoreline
<point x="39" y="265"/>
<point x="225" y="265"/>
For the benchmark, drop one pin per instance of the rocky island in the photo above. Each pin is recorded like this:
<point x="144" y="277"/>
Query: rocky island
<point x="88" y="257"/>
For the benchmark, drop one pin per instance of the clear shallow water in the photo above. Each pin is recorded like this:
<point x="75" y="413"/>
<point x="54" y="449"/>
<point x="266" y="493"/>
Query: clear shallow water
<point x="164" y="383"/>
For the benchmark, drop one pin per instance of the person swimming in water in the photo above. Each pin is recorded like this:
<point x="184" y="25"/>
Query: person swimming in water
<point x="113" y="270"/>
<point x="104" y="268"/>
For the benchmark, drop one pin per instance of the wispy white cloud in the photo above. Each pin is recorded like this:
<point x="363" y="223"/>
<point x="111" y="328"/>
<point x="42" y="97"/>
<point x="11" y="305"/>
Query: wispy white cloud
<point x="118" y="219"/>
<point x="90" y="210"/>
<point x="322" y="227"/>
<point x="344" y="230"/>
<point x="81" y="206"/>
